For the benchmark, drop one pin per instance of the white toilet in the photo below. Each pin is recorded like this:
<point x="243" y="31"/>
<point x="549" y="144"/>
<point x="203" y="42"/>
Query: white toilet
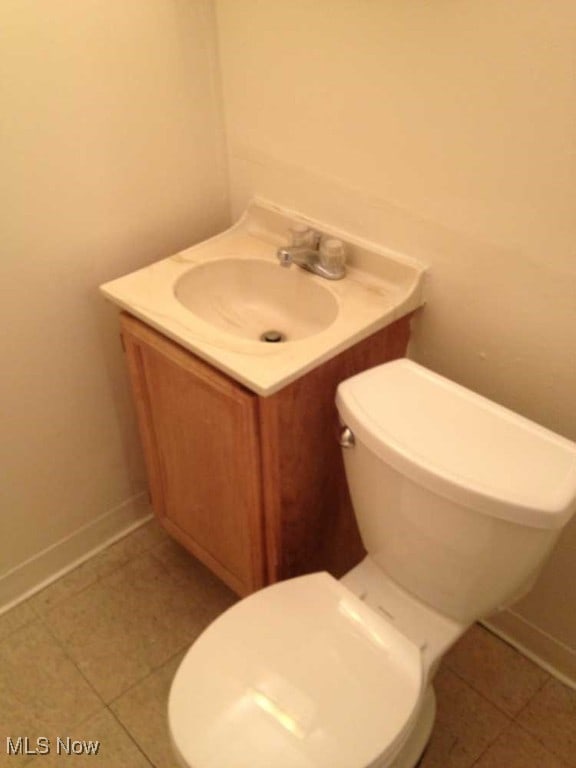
<point x="458" y="501"/>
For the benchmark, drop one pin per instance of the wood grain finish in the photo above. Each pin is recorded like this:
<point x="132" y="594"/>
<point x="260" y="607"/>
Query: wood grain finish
<point x="310" y="520"/>
<point x="252" y="486"/>
<point x="201" y="442"/>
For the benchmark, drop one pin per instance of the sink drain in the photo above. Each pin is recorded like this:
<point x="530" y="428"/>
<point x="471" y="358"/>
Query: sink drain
<point x="272" y="337"/>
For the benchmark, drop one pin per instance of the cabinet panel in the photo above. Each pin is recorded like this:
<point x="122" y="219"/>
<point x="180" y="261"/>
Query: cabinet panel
<point x="200" y="437"/>
<point x="310" y="520"/>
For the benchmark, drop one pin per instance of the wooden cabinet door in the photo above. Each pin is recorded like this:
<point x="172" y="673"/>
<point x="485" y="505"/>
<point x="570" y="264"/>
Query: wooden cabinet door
<point x="199" y="431"/>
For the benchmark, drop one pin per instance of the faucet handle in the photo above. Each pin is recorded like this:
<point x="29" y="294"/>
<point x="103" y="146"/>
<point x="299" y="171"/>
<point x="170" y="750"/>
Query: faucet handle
<point x="299" y="235"/>
<point x="303" y="236"/>
<point x="333" y="255"/>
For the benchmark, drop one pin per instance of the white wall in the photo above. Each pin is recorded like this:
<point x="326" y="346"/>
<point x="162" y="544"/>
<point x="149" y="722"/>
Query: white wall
<point x="444" y="130"/>
<point x="111" y="150"/>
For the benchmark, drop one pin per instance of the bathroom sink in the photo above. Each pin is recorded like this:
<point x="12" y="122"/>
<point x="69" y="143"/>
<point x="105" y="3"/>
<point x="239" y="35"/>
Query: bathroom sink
<point x="223" y="298"/>
<point x="257" y="299"/>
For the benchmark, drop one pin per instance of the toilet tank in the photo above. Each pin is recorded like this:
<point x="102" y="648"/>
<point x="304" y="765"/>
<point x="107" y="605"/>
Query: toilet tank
<point x="457" y="499"/>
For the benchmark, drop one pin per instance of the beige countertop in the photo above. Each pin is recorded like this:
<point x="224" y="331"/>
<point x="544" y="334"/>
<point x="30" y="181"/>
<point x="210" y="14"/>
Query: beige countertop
<point x="380" y="286"/>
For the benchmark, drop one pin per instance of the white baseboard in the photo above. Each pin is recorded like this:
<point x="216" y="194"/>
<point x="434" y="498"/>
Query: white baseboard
<point x="40" y="570"/>
<point x="546" y="651"/>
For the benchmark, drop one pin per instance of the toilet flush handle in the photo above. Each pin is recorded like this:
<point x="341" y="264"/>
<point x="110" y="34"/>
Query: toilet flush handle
<point x="347" y="439"/>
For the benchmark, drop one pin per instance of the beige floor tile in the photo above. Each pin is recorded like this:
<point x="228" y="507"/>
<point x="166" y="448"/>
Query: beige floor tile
<point x="40" y="689"/>
<point x="185" y="568"/>
<point x="115" y="748"/>
<point x="112" y="558"/>
<point x="127" y="618"/>
<point x="495" y="669"/>
<point x="551" y="718"/>
<point x="148" y="536"/>
<point x="466" y="724"/>
<point x="517" y="749"/>
<point x="127" y="624"/>
<point x="142" y="711"/>
<point x="15" y="618"/>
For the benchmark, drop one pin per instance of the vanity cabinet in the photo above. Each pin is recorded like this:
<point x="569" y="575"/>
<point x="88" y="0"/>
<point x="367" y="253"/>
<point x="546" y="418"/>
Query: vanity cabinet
<point x="254" y="487"/>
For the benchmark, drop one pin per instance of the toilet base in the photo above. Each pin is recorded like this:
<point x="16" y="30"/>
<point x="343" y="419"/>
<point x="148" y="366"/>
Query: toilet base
<point x="416" y="743"/>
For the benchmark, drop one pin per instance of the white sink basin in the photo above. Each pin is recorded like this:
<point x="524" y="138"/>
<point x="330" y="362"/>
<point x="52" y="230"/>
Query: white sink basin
<point x="252" y="297"/>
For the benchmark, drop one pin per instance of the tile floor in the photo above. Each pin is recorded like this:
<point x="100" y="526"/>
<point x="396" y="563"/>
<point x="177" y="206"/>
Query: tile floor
<point x="91" y="657"/>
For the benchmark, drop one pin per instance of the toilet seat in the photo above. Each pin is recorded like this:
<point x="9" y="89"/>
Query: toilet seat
<point x="299" y="675"/>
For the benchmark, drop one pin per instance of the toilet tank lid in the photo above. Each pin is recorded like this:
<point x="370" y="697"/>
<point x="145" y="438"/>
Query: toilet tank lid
<point x="461" y="445"/>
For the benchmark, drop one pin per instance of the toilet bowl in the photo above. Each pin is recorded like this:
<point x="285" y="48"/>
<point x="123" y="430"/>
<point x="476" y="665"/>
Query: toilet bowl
<point x="458" y="502"/>
<point x="311" y="672"/>
<point x="264" y="684"/>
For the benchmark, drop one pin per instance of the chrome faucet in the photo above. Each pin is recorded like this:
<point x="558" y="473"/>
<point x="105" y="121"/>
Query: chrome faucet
<point x="322" y="256"/>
